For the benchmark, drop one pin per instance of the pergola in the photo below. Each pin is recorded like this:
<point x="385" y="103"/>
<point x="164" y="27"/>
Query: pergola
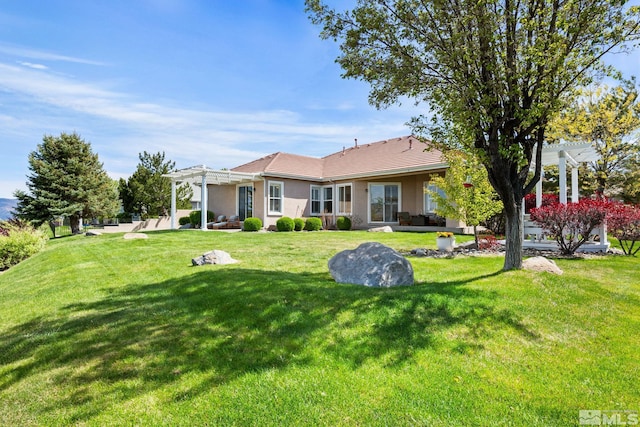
<point x="201" y="175"/>
<point x="564" y="154"/>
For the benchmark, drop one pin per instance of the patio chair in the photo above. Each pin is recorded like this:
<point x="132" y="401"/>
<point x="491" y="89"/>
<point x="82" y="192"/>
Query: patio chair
<point x="404" y="218"/>
<point x="234" y="222"/>
<point x="222" y="220"/>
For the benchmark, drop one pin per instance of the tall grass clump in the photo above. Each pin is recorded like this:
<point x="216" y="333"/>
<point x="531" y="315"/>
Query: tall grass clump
<point x="18" y="241"/>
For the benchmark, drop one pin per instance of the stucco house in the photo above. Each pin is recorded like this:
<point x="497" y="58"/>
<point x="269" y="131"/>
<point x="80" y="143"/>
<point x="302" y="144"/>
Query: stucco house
<point x="371" y="183"/>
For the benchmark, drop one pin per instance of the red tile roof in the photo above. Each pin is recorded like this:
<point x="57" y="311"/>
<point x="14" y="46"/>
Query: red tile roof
<point x="398" y="155"/>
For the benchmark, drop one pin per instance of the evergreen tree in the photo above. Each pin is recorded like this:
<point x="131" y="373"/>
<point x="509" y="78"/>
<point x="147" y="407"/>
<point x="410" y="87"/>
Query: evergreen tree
<point x="148" y="192"/>
<point x="67" y="179"/>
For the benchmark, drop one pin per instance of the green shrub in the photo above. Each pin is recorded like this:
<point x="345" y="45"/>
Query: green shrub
<point x="252" y="224"/>
<point x="184" y="220"/>
<point x="313" y="224"/>
<point x="285" y="224"/>
<point x="298" y="224"/>
<point x="194" y="218"/>
<point x="18" y="241"/>
<point x="343" y="223"/>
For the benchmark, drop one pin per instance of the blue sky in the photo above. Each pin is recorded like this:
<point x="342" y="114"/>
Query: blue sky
<point x="212" y="82"/>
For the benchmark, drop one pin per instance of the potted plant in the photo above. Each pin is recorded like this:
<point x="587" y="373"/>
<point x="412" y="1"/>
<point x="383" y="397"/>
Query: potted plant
<point x="445" y="241"/>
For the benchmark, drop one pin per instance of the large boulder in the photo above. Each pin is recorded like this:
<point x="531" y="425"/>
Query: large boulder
<point x="214" y="257"/>
<point x="371" y="264"/>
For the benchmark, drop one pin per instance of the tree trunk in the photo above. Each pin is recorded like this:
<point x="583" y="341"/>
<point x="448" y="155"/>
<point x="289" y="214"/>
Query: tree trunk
<point x="74" y="222"/>
<point x="514" y="228"/>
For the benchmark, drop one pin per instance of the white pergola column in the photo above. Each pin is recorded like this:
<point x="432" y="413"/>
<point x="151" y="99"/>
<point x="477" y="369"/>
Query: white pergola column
<point x="562" y="170"/>
<point x="173" y="204"/>
<point x="539" y="188"/>
<point x="203" y="203"/>
<point x="574" y="184"/>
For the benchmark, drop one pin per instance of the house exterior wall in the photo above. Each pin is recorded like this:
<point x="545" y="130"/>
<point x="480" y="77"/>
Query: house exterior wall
<point x="222" y="199"/>
<point x="296" y="195"/>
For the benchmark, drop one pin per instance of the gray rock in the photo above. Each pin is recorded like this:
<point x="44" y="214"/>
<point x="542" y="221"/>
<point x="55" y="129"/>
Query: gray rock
<point x="371" y="264"/>
<point x="214" y="257"/>
<point x="419" y="252"/>
<point x="93" y="233"/>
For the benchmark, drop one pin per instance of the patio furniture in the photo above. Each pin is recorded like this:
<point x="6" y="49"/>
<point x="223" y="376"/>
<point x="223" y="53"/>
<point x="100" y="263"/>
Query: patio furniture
<point x="404" y="218"/>
<point x="222" y="219"/>
<point x="223" y="223"/>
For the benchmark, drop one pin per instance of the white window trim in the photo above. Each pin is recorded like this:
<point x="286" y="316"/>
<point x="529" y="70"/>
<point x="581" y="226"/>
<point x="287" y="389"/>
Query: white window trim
<point x="281" y="184"/>
<point x="321" y="189"/>
<point x="338" y="186"/>
<point x="399" y="184"/>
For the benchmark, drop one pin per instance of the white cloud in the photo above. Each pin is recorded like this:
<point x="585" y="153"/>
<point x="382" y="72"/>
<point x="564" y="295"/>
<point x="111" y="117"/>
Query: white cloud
<point x="119" y="126"/>
<point x="23" y="52"/>
<point x="34" y="66"/>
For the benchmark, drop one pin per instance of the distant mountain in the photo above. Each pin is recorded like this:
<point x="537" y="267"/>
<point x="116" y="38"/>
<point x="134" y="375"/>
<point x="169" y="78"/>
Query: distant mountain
<point x="6" y="206"/>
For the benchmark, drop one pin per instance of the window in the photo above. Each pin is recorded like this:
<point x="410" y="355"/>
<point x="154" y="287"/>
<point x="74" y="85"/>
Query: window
<point x="384" y="202"/>
<point x="315" y="200"/>
<point x="327" y="200"/>
<point x="321" y="200"/>
<point x="344" y="199"/>
<point x="276" y="191"/>
<point x="430" y="204"/>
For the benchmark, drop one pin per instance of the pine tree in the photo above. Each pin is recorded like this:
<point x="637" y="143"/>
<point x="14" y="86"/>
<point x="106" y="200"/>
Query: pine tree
<point x="148" y="192"/>
<point x="67" y="179"/>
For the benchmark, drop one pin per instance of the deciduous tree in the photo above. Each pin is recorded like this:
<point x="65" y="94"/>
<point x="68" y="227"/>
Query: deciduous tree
<point x="67" y="179"/>
<point x="609" y="119"/>
<point x="494" y="72"/>
<point x="468" y="195"/>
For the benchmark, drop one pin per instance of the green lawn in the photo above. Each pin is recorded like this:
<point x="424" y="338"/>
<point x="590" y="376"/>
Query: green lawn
<point x="107" y="331"/>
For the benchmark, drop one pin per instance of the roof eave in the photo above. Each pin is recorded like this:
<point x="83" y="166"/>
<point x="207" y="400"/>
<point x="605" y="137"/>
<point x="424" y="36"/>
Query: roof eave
<point x="414" y="169"/>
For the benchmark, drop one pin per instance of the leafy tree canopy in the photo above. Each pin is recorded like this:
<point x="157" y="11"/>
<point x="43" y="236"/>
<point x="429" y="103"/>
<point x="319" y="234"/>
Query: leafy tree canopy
<point x="67" y="179"/>
<point x="468" y="195"/>
<point x="609" y="119"/>
<point x="493" y="72"/>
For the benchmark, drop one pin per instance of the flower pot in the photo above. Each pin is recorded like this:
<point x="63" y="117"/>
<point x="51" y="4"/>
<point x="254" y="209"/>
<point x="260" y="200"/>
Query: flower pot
<point x="446" y="243"/>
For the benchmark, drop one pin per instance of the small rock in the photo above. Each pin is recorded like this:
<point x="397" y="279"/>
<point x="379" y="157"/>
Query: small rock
<point x="93" y="233"/>
<point x="385" y="229"/>
<point x="419" y="252"/>
<point x="131" y="236"/>
<point x="214" y="257"/>
<point x="540" y="263"/>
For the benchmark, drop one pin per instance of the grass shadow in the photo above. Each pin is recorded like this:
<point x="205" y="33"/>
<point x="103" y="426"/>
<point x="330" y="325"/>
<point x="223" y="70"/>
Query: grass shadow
<point x="223" y="323"/>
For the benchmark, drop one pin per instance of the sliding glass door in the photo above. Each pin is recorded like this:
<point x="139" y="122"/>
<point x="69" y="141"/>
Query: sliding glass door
<point x="384" y="202"/>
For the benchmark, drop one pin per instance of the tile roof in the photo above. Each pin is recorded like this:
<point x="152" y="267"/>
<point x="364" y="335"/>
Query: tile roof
<point x="396" y="155"/>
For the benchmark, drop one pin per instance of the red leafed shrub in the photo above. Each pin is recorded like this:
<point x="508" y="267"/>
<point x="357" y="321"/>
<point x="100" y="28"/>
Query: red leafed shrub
<point x="623" y="222"/>
<point x="547" y="199"/>
<point x="571" y="224"/>
<point x="488" y="242"/>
